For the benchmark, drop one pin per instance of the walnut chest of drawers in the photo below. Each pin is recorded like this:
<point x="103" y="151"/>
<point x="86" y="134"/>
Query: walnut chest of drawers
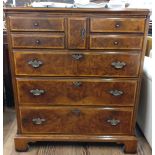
<point x="76" y="73"/>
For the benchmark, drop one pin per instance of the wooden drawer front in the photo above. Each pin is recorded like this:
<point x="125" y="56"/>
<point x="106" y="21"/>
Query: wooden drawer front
<point x="57" y="91"/>
<point x="116" y="42"/>
<point x="38" y="41"/>
<point x="36" y="24"/>
<point x="76" y="120"/>
<point x="77" y="33"/>
<point x="117" y="25"/>
<point x="58" y="63"/>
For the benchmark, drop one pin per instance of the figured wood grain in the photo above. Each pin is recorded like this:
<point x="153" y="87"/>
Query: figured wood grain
<point x="76" y="120"/>
<point x="127" y="42"/>
<point x="51" y="148"/>
<point x="65" y="92"/>
<point x="37" y="40"/>
<point x="135" y="25"/>
<point x="102" y="41"/>
<point x="77" y="40"/>
<point x="60" y="63"/>
<point x="36" y="23"/>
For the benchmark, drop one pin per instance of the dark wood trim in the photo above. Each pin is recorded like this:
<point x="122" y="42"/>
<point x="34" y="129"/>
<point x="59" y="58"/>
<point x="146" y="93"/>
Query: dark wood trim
<point x="79" y="10"/>
<point x="130" y="142"/>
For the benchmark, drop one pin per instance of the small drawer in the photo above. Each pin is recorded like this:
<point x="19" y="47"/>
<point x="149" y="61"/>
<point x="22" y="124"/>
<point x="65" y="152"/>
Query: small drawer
<point x="64" y="91"/>
<point x="116" y="42"/>
<point x="57" y="63"/>
<point x="36" y="40"/>
<point x="135" y="25"/>
<point x="36" y="24"/>
<point x="76" y="120"/>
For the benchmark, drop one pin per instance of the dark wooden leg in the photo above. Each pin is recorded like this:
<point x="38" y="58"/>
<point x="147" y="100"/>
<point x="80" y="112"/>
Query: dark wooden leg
<point x="21" y="144"/>
<point x="130" y="146"/>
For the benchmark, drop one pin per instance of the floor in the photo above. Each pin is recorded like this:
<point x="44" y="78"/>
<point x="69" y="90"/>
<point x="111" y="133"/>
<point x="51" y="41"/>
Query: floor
<point x="49" y="148"/>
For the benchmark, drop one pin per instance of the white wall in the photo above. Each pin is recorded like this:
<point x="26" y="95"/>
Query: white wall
<point x="144" y="117"/>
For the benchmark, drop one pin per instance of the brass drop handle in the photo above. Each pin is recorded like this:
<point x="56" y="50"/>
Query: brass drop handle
<point x="37" y="42"/>
<point x="76" y="112"/>
<point x="77" y="56"/>
<point x="38" y="121"/>
<point x="118" y="64"/>
<point x="113" y="122"/>
<point x="37" y="92"/>
<point x="35" y="63"/>
<point x="116" y="92"/>
<point x="36" y="24"/>
<point x="83" y="33"/>
<point x="77" y="84"/>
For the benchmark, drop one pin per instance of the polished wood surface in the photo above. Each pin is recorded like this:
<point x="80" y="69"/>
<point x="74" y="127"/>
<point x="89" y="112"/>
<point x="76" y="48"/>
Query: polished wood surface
<point x="124" y="11"/>
<point x="90" y="63"/>
<point x="37" y="40"/>
<point x="77" y="33"/>
<point x="76" y="120"/>
<point x="71" y="63"/>
<point x="116" y="42"/>
<point x="77" y="92"/>
<point x="117" y="25"/>
<point x="36" y="24"/>
<point x="64" y="148"/>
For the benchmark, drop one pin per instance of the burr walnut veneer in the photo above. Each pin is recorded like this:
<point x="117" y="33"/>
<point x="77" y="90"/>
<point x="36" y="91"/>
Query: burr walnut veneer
<point x="76" y="73"/>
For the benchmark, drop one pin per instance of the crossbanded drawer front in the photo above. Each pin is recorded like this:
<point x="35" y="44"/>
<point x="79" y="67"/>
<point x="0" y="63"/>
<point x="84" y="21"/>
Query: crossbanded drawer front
<point x="135" y="25"/>
<point x="36" y="23"/>
<point x="100" y="41"/>
<point x="63" y="91"/>
<point x="105" y="64"/>
<point x="36" y="40"/>
<point x="76" y="120"/>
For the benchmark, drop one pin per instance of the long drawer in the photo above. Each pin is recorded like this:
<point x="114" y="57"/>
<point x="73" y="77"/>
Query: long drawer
<point x="135" y="25"/>
<point x="102" y="41"/>
<point x="38" y="40"/>
<point x="36" y="23"/>
<point x="77" y="91"/>
<point x="58" y="63"/>
<point x="76" y="120"/>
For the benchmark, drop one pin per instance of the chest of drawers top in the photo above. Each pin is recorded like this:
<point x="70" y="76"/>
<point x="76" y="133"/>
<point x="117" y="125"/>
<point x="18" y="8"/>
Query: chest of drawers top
<point x="77" y="28"/>
<point x="77" y="42"/>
